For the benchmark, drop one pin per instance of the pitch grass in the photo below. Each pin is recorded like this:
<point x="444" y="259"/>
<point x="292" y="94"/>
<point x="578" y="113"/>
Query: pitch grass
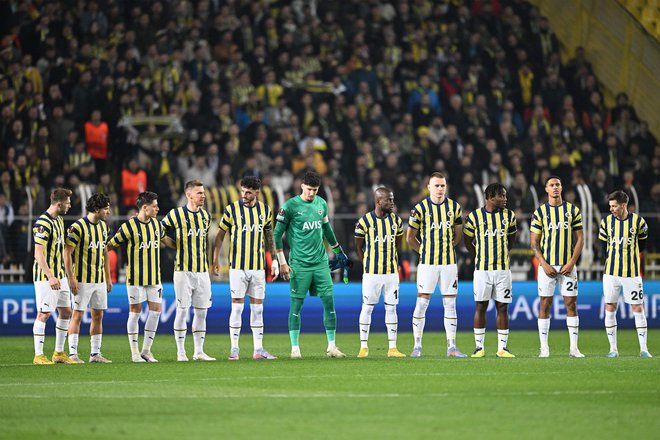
<point x="319" y="398"/>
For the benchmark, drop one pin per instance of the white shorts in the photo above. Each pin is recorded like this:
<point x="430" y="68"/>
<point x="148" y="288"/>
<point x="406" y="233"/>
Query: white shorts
<point x="567" y="284"/>
<point x="492" y="284"/>
<point x="94" y="294"/>
<point x="373" y="284"/>
<point x="48" y="300"/>
<point x="633" y="291"/>
<point x="140" y="294"/>
<point x="431" y="275"/>
<point x="247" y="282"/>
<point x="192" y="288"/>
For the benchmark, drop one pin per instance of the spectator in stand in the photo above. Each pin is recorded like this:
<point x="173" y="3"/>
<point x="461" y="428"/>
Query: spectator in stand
<point x="133" y="182"/>
<point x="96" y="138"/>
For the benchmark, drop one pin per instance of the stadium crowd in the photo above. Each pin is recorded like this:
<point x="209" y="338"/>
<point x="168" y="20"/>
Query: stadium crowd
<point x="123" y="96"/>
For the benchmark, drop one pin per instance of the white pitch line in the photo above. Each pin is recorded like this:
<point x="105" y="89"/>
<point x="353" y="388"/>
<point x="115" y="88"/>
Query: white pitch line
<point x="307" y="376"/>
<point x="340" y="395"/>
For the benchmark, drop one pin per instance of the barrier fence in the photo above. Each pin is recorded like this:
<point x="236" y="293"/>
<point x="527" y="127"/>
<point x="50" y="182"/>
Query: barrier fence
<point x="18" y="309"/>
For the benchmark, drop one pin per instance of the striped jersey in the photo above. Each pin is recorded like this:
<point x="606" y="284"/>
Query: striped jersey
<point x="88" y="240"/>
<point x="622" y="238"/>
<point x="190" y="229"/>
<point x="246" y="237"/>
<point x="491" y="232"/>
<point x="555" y="225"/>
<point x="49" y="232"/>
<point x="379" y="233"/>
<point x="143" y="249"/>
<point x="435" y="223"/>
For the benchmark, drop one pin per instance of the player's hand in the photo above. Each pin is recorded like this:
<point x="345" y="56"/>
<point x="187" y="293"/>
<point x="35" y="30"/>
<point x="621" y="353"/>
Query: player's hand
<point x="341" y="257"/>
<point x="73" y="285"/>
<point x="275" y="269"/>
<point x="549" y="270"/>
<point x="567" y="269"/>
<point x="109" y="285"/>
<point x="285" y="272"/>
<point x="215" y="269"/>
<point x="54" y="283"/>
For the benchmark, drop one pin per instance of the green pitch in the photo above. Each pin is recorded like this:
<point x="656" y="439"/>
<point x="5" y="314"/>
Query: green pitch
<point x="319" y="398"/>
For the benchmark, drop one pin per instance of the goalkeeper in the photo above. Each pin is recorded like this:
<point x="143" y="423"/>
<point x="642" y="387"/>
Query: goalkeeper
<point x="304" y="218"/>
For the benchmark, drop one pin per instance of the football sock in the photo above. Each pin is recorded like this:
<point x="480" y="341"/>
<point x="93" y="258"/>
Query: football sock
<point x="502" y="339"/>
<point x="39" y="334"/>
<point x="610" y="328"/>
<point x="479" y="337"/>
<point x="180" y="328"/>
<point x="451" y="320"/>
<point x="544" y="329"/>
<point x="132" y="329"/>
<point x="294" y="320"/>
<point x="392" y="324"/>
<point x="150" y="328"/>
<point x="96" y="344"/>
<point x="235" y="323"/>
<point x="257" y="325"/>
<point x="573" y="325"/>
<point x="419" y="319"/>
<point x="365" y="324"/>
<point x="640" y="324"/>
<point x="199" y="329"/>
<point x="61" y="329"/>
<point x="329" y="319"/>
<point x="73" y="343"/>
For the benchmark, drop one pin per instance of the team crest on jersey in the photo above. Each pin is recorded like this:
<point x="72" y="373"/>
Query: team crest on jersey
<point x="450" y="214"/>
<point x="320" y="211"/>
<point x="505" y="222"/>
<point x="569" y="215"/>
<point x="633" y="230"/>
<point x="262" y="217"/>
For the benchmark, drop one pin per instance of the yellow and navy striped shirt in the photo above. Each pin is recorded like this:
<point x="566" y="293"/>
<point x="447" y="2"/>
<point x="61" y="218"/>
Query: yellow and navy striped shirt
<point x="379" y="233"/>
<point x="491" y="232"/>
<point x="247" y="224"/>
<point x="555" y="225"/>
<point x="435" y="223"/>
<point x="49" y="232"/>
<point x="88" y="240"/>
<point x="622" y="238"/>
<point x="191" y="230"/>
<point x="143" y="249"/>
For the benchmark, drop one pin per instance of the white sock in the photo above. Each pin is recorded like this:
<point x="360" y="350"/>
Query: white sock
<point x="150" y="328"/>
<point x="479" y="337"/>
<point x="235" y="323"/>
<point x="199" y="329"/>
<point x="640" y="324"/>
<point x="257" y="325"/>
<point x="96" y="344"/>
<point x="419" y="319"/>
<point x="365" y="324"/>
<point x="610" y="328"/>
<point x="502" y="339"/>
<point x="392" y="324"/>
<point x="331" y="345"/>
<point x="39" y="334"/>
<point x="61" y="329"/>
<point x="180" y="328"/>
<point x="544" y="331"/>
<point x="573" y="325"/>
<point x="73" y="344"/>
<point x="133" y="329"/>
<point x="451" y="321"/>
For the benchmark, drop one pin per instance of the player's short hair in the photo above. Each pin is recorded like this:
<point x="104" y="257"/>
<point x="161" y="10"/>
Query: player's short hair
<point x="145" y="198"/>
<point x="251" y="182"/>
<point x="494" y="189"/>
<point x="97" y="202"/>
<point x="312" y="179"/>
<point x="438" y="174"/>
<point x="550" y="178"/>
<point x="60" y="195"/>
<point x="619" y="196"/>
<point x="382" y="192"/>
<point x="192" y="184"/>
